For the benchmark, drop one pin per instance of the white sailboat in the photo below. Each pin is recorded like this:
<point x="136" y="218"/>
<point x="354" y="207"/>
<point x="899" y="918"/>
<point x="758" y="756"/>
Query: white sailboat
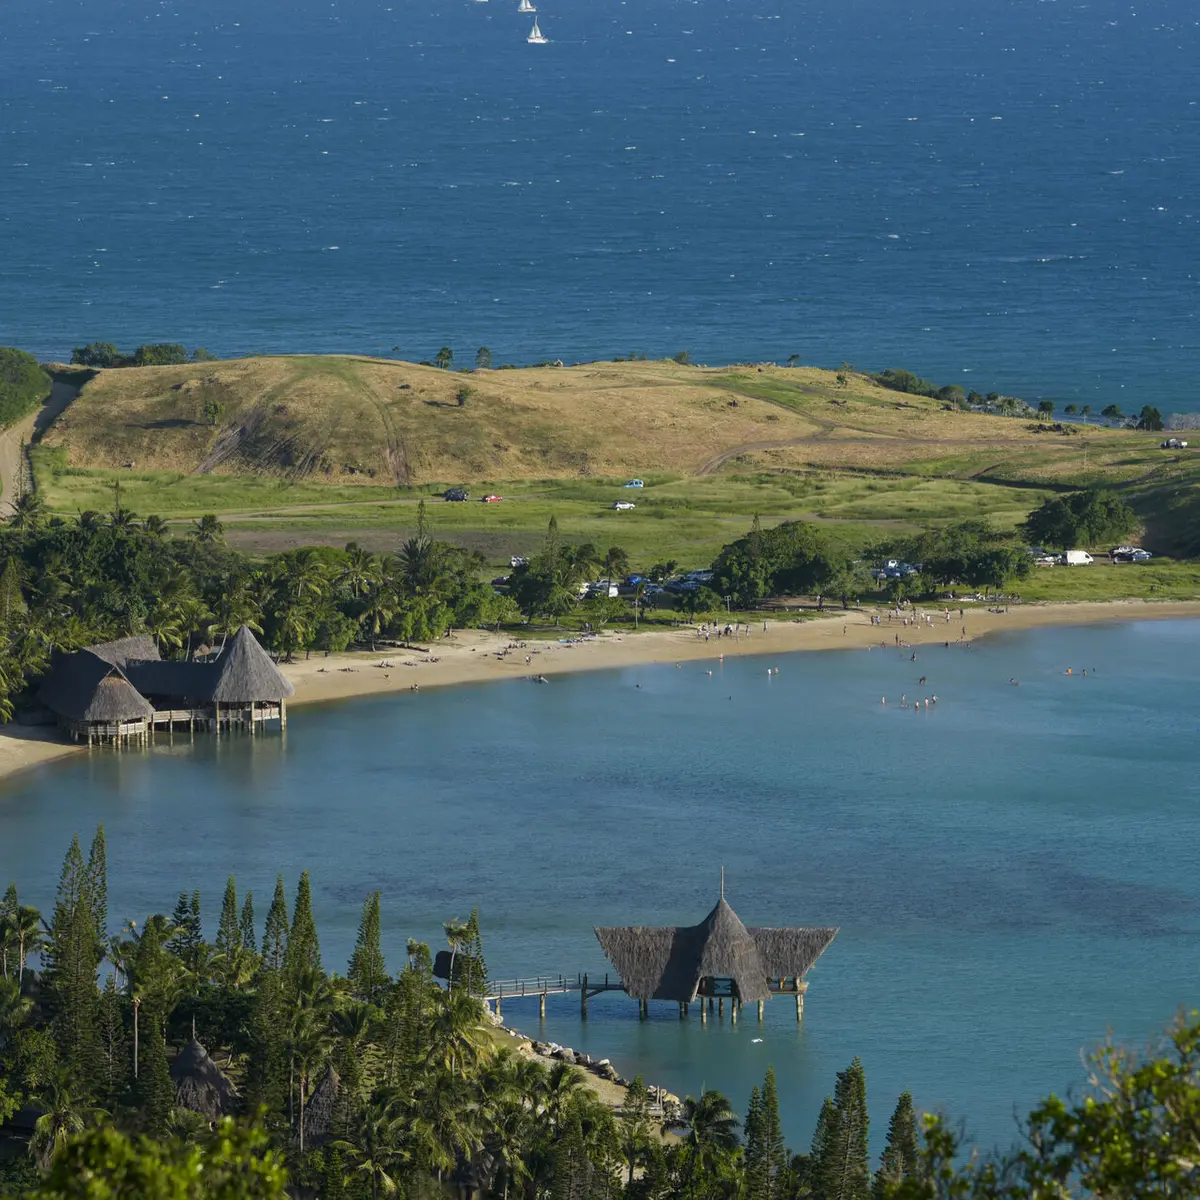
<point x="526" y="7"/>
<point x="536" y="37"/>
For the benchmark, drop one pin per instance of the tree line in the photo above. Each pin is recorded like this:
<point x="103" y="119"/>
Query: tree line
<point x="354" y="1085"/>
<point x="69" y="584"/>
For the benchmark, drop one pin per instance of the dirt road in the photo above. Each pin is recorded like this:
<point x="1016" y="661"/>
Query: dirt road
<point x="16" y="436"/>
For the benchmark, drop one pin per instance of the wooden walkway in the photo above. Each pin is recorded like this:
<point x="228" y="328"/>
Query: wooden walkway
<point x="542" y="986"/>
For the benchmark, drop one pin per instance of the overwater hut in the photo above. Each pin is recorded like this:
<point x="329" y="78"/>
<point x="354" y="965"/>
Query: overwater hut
<point x="93" y="699"/>
<point x="718" y="958"/>
<point x="119" y="691"/>
<point x="201" y="1085"/>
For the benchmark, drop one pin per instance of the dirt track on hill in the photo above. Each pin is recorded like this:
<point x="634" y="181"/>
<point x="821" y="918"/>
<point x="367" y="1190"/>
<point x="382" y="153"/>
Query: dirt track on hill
<point x="15" y="437"/>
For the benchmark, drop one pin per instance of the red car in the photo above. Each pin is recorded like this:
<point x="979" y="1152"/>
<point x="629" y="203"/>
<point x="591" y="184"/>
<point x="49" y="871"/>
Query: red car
<point x="491" y="498"/>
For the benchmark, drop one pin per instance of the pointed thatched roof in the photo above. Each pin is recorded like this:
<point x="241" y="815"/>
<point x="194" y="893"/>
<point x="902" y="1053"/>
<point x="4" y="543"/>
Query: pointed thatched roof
<point x="126" y="650"/>
<point x="245" y="672"/>
<point x="318" y="1119"/>
<point x="201" y="1085"/>
<point x="87" y="688"/>
<point x="669" y="962"/>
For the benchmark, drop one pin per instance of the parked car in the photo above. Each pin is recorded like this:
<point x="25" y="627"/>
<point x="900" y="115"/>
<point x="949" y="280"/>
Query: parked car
<point x="517" y="560"/>
<point x="455" y="494"/>
<point x="623" y="505"/>
<point x="635" y="483"/>
<point x="1169" y="444"/>
<point x="492" y="498"/>
<point x="1130" y="554"/>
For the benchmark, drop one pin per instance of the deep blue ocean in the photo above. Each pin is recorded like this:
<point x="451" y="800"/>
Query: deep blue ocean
<point x="1015" y="872"/>
<point x="998" y="193"/>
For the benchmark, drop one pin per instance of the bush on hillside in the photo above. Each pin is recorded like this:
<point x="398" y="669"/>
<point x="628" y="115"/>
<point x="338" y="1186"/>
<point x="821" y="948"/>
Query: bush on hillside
<point x="791" y="559"/>
<point x="159" y="354"/>
<point x="23" y="384"/>
<point x="1089" y="518"/>
<point x="97" y="354"/>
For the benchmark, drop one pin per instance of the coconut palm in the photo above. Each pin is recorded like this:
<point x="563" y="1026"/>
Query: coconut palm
<point x="455" y="1039"/>
<point x="372" y="1148"/>
<point x="360" y="571"/>
<point x="308" y="1045"/>
<point x="23" y="928"/>
<point x="458" y="934"/>
<point x="65" y="1114"/>
<point x="155" y="526"/>
<point x="208" y="530"/>
<point x="377" y="614"/>
<point x="123" y="519"/>
<point x="15" y="1008"/>
<point x="28" y="512"/>
<point x="711" y="1135"/>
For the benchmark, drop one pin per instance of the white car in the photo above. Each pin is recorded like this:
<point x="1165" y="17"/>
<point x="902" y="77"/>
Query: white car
<point x="635" y="483"/>
<point x="623" y="505"/>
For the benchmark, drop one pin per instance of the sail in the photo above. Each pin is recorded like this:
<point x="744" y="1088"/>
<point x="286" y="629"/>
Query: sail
<point x="535" y="34"/>
<point x="526" y="7"/>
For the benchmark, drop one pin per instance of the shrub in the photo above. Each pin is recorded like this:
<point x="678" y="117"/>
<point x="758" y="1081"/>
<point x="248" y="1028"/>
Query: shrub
<point x="96" y="354"/>
<point x="159" y="354"/>
<point x="23" y="384"/>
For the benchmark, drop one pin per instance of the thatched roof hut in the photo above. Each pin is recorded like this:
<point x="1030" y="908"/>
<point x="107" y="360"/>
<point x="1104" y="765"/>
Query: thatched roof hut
<point x="673" y="962"/>
<point x="318" y="1117"/>
<point x="201" y="1085"/>
<point x="244" y="673"/>
<point x="88" y="689"/>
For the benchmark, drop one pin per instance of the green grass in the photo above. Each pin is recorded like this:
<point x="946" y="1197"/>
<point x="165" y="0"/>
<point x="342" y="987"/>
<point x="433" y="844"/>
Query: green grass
<point x="1161" y="579"/>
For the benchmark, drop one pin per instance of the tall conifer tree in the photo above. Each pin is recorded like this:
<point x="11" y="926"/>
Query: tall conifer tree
<point x="97" y="885"/>
<point x="367" y="972"/>
<point x="303" y="946"/>
<point x="116" y="1064"/>
<point x="275" y="935"/>
<point x="774" y="1146"/>
<point x="823" y="1162"/>
<point x="72" y="962"/>
<point x="229" y="935"/>
<point x="850" y="1176"/>
<point x="249" y="937"/>
<point x="155" y="1091"/>
<point x="900" y="1156"/>
<point x="756" y="1171"/>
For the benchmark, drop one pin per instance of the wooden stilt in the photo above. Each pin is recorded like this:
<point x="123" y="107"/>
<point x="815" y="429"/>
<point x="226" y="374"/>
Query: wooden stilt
<point x="582" y="989"/>
<point x="801" y="988"/>
<point x="720" y="1006"/>
<point x="733" y="1010"/>
<point x="283" y="714"/>
<point x="497" y="1006"/>
<point x="703" y="1012"/>
<point x="760" y="1010"/>
<point x="542" y="1007"/>
<point x="643" y="1009"/>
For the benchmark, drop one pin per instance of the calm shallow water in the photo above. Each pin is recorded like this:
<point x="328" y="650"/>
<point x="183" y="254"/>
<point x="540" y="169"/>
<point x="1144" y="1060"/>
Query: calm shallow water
<point x="1013" y="873"/>
<point x="1000" y="194"/>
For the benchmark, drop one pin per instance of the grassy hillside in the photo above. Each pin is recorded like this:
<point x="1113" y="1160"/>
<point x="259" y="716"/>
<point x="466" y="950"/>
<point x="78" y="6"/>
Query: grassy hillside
<point x="326" y="448"/>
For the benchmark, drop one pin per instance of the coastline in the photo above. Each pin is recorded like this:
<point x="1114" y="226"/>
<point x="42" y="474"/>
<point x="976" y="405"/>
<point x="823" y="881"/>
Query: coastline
<point x="473" y="656"/>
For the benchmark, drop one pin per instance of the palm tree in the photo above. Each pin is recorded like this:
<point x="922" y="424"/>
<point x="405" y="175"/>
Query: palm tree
<point x="616" y="562"/>
<point x="155" y="526"/>
<point x="360" y="571"/>
<point x="89" y="521"/>
<point x="28" y="512"/>
<point x="458" y="933"/>
<point x="455" y="1039"/>
<point x="309" y="1047"/>
<point x="234" y="607"/>
<point x="422" y="564"/>
<point x="165" y="624"/>
<point x="24" y="927"/>
<point x="372" y="1147"/>
<point x="66" y="1114"/>
<point x="377" y="614"/>
<point x="208" y="530"/>
<point x="15" y="1008"/>
<point x="563" y="1085"/>
<point x="711" y="1134"/>
<point x="123" y="518"/>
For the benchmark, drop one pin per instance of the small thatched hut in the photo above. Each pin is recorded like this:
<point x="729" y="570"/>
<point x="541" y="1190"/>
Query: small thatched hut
<point x="92" y="698"/>
<point x="683" y="962"/>
<point x="201" y="1085"/>
<point x="318" y="1117"/>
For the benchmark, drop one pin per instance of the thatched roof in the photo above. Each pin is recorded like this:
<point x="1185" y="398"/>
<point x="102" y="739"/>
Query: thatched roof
<point x="318" y="1119"/>
<point x="201" y="1085"/>
<point x="669" y="962"/>
<point x="85" y="687"/>
<point x="245" y="672"/>
<point x="171" y="680"/>
<point x="124" y="650"/>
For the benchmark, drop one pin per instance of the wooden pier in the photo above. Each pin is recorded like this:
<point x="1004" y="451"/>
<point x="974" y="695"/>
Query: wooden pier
<point x="713" y="994"/>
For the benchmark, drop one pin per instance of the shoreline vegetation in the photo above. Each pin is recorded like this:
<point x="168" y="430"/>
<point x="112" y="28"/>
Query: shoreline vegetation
<point x="475" y="657"/>
<point x="154" y="1061"/>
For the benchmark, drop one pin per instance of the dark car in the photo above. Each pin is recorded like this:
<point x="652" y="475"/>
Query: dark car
<point x="455" y="494"/>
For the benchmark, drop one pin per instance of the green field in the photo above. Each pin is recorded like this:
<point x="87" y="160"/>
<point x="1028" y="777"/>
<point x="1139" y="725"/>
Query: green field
<point x="338" y="449"/>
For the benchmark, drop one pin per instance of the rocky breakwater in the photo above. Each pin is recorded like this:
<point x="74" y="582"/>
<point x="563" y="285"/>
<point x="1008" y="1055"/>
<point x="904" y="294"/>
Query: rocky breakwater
<point x="663" y="1103"/>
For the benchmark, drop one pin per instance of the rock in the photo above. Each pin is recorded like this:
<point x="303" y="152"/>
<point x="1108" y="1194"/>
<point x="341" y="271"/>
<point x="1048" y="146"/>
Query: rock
<point x="583" y="1060"/>
<point x="566" y="1054"/>
<point x="607" y="1071"/>
<point x="540" y="1048"/>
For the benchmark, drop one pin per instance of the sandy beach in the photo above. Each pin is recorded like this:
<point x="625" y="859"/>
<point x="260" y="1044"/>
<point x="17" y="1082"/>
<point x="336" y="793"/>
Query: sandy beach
<point x="471" y="656"/>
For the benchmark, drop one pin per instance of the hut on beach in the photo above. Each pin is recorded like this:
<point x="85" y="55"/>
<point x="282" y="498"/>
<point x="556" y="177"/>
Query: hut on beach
<point x="120" y="691"/>
<point x="719" y="958"/>
<point x="201" y="1085"/>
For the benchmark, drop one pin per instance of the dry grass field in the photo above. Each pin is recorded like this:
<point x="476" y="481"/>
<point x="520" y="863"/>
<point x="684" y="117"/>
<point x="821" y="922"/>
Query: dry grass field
<point x="291" y="447"/>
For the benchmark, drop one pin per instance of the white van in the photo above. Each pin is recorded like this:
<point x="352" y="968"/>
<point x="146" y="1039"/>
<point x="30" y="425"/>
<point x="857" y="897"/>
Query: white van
<point x="1077" y="558"/>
